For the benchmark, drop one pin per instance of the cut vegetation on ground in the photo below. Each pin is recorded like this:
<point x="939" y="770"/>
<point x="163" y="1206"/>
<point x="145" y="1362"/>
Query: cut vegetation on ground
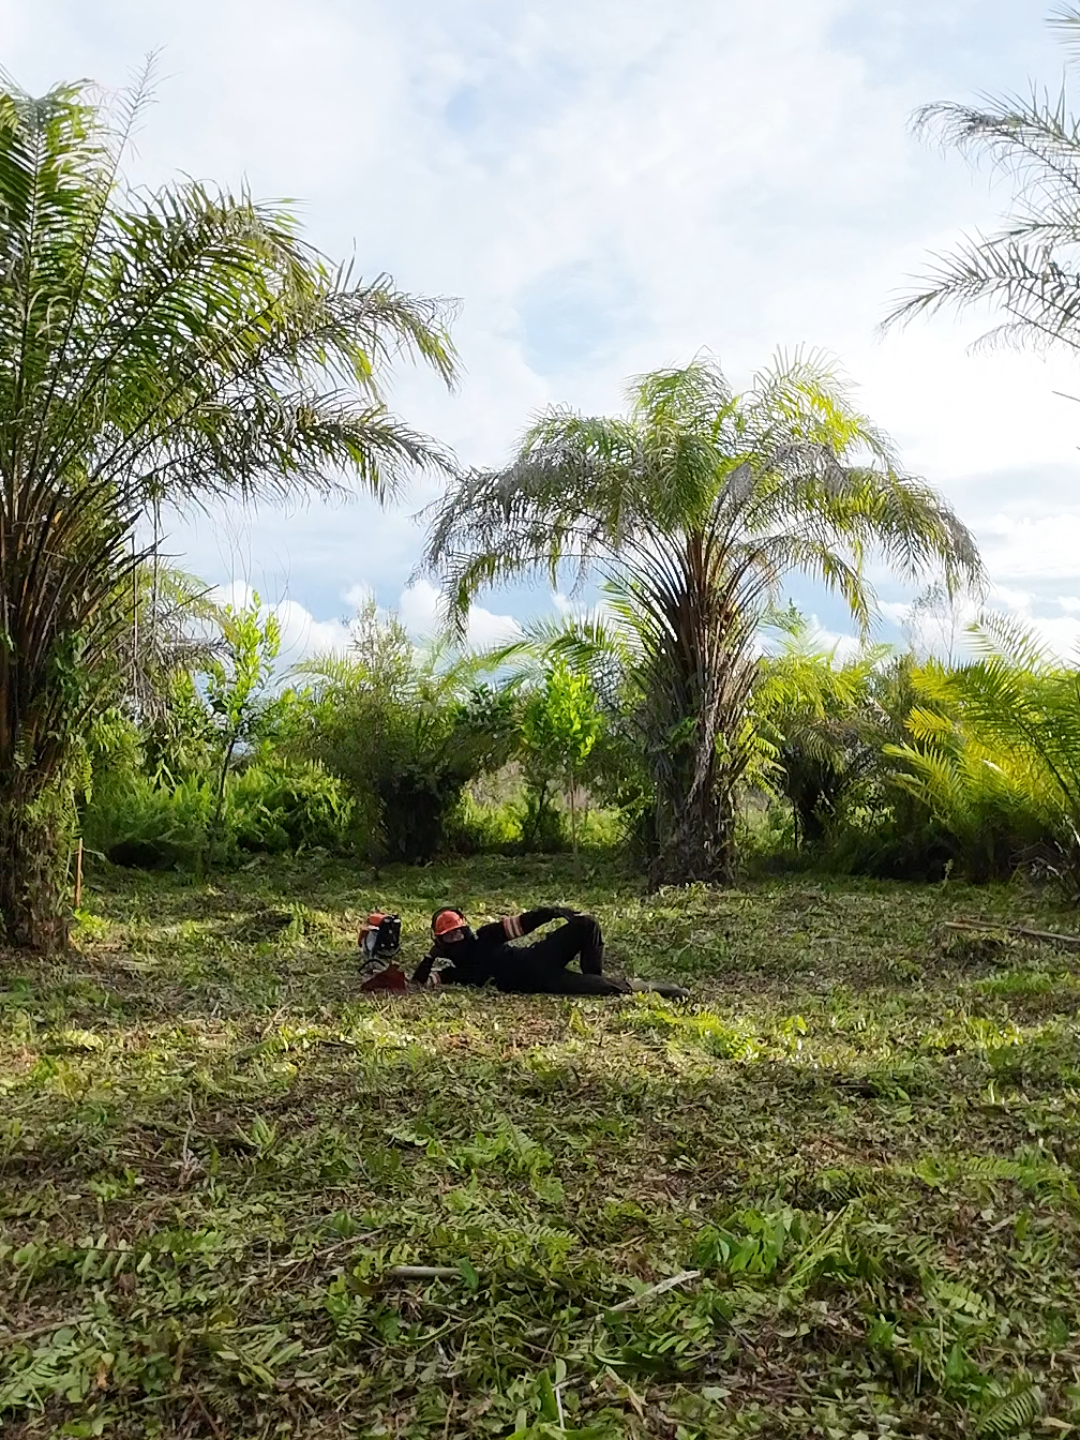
<point x="834" y="1196"/>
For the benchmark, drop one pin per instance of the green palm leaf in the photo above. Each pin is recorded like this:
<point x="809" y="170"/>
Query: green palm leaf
<point x="1026" y="269"/>
<point x="1001" y="742"/>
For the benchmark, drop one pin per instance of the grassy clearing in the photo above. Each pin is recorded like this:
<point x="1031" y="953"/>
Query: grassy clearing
<point x="857" y="1149"/>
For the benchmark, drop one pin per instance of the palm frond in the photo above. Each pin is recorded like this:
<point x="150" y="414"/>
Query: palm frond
<point x="1000" y="745"/>
<point x="1026" y="268"/>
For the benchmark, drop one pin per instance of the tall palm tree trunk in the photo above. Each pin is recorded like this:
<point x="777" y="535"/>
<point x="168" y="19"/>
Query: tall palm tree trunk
<point x="695" y="821"/>
<point x="697" y="707"/>
<point x="38" y="699"/>
<point x="35" y="842"/>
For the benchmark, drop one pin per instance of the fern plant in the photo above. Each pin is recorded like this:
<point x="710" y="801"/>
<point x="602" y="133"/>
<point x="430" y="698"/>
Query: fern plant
<point x="821" y="728"/>
<point x="1011" y="1413"/>
<point x="996" y="754"/>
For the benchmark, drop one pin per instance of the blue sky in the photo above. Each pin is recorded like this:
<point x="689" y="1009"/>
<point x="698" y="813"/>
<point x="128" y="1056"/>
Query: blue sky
<point x="609" y="186"/>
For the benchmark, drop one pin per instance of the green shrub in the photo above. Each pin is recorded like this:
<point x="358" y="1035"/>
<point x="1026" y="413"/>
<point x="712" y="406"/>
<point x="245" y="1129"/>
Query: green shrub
<point x="133" y="822"/>
<point x="277" y="807"/>
<point x="405" y="732"/>
<point x="601" y="829"/>
<point x="994" y="756"/>
<point x="544" y="829"/>
<point x="901" y="842"/>
<point x="478" y="829"/>
<point x="765" y="838"/>
<point x="269" y="807"/>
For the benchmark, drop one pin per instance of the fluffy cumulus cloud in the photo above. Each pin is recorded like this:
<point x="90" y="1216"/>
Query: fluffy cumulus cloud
<point x="418" y="608"/>
<point x="944" y="629"/>
<point x="422" y="613"/>
<point x="607" y="187"/>
<point x="301" y="634"/>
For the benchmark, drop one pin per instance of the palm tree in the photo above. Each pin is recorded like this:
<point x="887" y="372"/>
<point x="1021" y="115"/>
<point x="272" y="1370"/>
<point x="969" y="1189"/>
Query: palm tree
<point x="695" y="505"/>
<point x="1028" y="267"/>
<point x="169" y="346"/>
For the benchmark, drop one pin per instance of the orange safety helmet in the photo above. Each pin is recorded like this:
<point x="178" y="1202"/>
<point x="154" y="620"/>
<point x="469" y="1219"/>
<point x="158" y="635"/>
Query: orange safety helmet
<point x="443" y="921"/>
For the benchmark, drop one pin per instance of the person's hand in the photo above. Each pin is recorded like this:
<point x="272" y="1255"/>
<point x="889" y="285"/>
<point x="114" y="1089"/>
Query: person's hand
<point x="433" y="980"/>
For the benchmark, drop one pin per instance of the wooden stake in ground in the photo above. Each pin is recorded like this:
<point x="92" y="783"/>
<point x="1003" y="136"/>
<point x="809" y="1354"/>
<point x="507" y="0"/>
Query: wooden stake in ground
<point x="78" y="875"/>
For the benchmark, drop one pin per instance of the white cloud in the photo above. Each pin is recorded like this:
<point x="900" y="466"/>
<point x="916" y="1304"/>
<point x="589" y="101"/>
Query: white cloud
<point x="237" y="593"/>
<point x="1034" y="548"/>
<point x="487" y="629"/>
<point x="421" y="612"/>
<point x="303" y="636"/>
<point x="896" y="611"/>
<point x="577" y="607"/>
<point x="1010" y="599"/>
<point x="843" y="645"/>
<point x="944" y="631"/>
<point x="357" y="596"/>
<point x="1060" y="634"/>
<point x="418" y="608"/>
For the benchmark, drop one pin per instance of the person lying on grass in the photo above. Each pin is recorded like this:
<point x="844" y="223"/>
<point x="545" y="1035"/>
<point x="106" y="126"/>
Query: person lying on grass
<point x="542" y="968"/>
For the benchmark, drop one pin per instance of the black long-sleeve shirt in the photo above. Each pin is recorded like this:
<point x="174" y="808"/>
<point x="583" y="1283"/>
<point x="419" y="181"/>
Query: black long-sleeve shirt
<point x="489" y="954"/>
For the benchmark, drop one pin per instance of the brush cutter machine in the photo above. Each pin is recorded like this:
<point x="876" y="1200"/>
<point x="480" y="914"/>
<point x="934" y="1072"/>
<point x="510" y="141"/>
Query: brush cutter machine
<point x="380" y="942"/>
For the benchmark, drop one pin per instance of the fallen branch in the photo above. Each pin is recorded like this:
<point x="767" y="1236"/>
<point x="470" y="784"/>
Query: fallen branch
<point x="1044" y="937"/>
<point x="423" y="1272"/>
<point x="683" y="1278"/>
<point x="12" y="1337"/>
<point x="214" y="1426"/>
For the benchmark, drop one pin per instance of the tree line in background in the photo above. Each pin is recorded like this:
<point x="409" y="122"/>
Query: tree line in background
<point x="876" y="763"/>
<point x="176" y="346"/>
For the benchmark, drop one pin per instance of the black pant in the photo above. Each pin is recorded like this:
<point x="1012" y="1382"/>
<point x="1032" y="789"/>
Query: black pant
<point x="542" y="969"/>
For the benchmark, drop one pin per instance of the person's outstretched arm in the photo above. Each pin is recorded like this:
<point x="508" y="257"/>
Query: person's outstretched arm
<point x="512" y="927"/>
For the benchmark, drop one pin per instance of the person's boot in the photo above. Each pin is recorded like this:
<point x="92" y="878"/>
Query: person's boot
<point x="659" y="987"/>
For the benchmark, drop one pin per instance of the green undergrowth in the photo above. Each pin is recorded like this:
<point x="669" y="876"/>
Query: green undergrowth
<point x="835" y="1195"/>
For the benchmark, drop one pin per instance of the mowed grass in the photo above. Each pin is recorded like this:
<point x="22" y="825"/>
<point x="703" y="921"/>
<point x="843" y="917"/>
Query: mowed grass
<point x="853" y="1156"/>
